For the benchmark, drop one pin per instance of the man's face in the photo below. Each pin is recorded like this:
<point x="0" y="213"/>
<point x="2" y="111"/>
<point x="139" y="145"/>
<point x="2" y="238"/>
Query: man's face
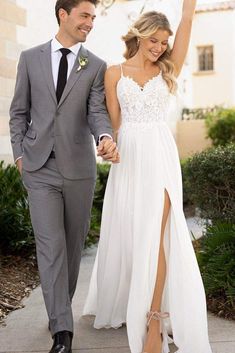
<point x="79" y="22"/>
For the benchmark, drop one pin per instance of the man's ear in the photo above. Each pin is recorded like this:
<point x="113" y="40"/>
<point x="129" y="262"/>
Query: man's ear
<point x="63" y="15"/>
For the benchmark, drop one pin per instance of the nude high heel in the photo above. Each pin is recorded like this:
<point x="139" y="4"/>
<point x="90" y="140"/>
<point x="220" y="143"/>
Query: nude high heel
<point x="155" y="315"/>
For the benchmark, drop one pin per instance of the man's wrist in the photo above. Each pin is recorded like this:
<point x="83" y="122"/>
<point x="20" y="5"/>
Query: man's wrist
<point x="104" y="135"/>
<point x="17" y="159"/>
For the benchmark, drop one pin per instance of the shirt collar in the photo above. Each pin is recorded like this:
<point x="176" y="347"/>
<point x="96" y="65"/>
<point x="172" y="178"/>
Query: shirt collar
<point x="56" y="45"/>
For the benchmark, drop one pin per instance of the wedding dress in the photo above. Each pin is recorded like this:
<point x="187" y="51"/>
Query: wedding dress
<point x="124" y="274"/>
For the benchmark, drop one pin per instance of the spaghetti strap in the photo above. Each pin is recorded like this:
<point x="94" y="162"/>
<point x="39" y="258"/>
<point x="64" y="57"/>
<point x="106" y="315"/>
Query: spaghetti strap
<point x="121" y="70"/>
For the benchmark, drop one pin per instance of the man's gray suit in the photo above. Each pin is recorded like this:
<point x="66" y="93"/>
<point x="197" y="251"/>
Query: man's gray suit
<point x="60" y="190"/>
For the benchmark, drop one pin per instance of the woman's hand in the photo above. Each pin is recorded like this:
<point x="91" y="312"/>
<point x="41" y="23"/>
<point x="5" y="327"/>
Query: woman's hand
<point x="107" y="149"/>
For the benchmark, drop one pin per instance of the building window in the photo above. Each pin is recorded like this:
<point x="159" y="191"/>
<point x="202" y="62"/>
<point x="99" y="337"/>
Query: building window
<point x="206" y="58"/>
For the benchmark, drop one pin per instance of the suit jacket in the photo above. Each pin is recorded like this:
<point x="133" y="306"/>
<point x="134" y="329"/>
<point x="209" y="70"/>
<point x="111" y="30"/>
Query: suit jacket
<point x="38" y="122"/>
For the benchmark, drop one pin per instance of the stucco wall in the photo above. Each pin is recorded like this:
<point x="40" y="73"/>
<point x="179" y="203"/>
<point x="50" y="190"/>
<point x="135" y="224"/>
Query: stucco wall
<point x="191" y="137"/>
<point x="11" y="15"/>
<point x="215" y="88"/>
<point x="19" y="30"/>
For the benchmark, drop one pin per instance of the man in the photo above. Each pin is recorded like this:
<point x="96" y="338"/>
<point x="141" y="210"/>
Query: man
<point x="57" y="106"/>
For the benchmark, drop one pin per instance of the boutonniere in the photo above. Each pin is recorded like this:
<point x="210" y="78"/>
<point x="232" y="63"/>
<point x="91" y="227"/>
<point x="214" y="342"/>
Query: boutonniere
<point x="83" y="62"/>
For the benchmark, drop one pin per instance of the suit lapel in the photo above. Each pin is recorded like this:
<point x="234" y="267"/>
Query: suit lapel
<point x="74" y="75"/>
<point x="45" y="58"/>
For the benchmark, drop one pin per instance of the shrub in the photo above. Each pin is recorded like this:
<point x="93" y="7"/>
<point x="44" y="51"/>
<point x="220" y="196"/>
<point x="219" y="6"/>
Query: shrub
<point x="15" y="226"/>
<point x="186" y="194"/>
<point x="221" y="126"/>
<point x="216" y="257"/>
<point x="198" y="113"/>
<point x="209" y="183"/>
<point x="16" y="233"/>
<point x="102" y="176"/>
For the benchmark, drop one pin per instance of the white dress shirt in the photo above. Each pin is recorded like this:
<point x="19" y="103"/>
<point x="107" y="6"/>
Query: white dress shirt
<point x="56" y="56"/>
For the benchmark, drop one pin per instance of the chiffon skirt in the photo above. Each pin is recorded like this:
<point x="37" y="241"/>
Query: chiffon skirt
<point x="125" y="269"/>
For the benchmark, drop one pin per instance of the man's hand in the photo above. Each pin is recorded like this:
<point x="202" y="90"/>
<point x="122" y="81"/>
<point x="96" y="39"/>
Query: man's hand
<point x="19" y="165"/>
<point x="107" y="149"/>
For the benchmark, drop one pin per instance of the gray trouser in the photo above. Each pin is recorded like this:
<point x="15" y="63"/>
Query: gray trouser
<point x="60" y="214"/>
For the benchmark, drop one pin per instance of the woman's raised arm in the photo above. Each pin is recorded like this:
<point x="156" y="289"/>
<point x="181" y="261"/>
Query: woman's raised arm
<point x="182" y="37"/>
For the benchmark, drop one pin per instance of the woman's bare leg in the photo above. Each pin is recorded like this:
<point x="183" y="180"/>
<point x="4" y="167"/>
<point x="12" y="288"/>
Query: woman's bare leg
<point x="153" y="342"/>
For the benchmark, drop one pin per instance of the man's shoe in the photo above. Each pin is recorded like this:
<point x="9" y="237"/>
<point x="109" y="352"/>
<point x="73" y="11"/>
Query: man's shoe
<point x="62" y="342"/>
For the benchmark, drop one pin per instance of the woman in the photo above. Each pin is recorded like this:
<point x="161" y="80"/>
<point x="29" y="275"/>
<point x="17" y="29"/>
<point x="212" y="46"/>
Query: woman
<point x="145" y="264"/>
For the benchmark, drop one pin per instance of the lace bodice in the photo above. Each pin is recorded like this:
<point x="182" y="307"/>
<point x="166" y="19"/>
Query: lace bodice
<point x="148" y="104"/>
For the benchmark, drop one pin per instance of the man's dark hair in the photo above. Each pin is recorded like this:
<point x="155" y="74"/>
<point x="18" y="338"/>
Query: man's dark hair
<point x="68" y="5"/>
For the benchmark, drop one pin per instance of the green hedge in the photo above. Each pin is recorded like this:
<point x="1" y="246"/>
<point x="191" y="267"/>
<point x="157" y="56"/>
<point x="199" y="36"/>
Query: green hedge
<point x="102" y="176"/>
<point x="198" y="113"/>
<point x="216" y="257"/>
<point x="209" y="183"/>
<point x="15" y="226"/>
<point x="221" y="126"/>
<point x="16" y="232"/>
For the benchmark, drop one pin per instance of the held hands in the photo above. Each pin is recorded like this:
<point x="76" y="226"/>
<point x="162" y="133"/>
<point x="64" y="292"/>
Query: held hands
<point x="107" y="149"/>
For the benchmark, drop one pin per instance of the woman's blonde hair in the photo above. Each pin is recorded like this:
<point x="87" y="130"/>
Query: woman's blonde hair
<point x="148" y="24"/>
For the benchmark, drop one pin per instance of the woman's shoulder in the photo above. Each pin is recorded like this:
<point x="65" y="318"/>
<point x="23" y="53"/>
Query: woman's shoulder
<point x="114" y="72"/>
<point x="114" y="69"/>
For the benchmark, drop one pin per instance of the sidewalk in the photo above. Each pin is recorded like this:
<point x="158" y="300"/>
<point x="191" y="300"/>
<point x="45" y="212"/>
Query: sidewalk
<point x="26" y="329"/>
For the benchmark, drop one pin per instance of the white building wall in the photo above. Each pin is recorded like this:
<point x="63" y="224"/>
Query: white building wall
<point x="41" y="22"/>
<point x="215" y="88"/>
<point x="105" y="41"/>
<point x="10" y="16"/>
<point x="105" y="38"/>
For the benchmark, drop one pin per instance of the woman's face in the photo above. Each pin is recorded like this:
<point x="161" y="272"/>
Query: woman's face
<point x="155" y="45"/>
